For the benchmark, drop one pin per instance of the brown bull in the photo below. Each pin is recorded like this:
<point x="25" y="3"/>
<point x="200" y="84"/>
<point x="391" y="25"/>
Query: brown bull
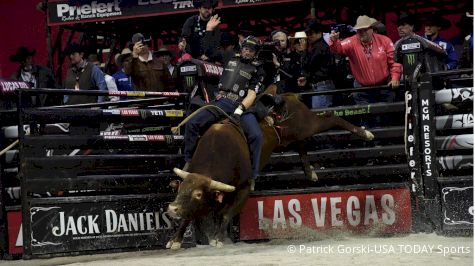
<point x="217" y="181"/>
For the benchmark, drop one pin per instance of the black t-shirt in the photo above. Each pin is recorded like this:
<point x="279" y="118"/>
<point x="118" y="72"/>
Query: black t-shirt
<point x="194" y="31"/>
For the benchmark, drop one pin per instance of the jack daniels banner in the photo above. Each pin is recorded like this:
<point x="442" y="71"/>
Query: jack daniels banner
<point x="105" y="222"/>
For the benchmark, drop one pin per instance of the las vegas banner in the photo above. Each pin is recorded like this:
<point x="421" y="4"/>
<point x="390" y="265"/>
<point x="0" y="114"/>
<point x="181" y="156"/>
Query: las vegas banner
<point x="377" y="211"/>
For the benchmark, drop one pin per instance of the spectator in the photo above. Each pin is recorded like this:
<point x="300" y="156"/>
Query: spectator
<point x="82" y="75"/>
<point x="318" y="65"/>
<point x="182" y="55"/>
<point x="379" y="28"/>
<point x="287" y="63"/>
<point x="35" y="75"/>
<point x="110" y="81"/>
<point x="433" y="25"/>
<point x="406" y="25"/>
<point x="372" y="62"/>
<point x="165" y="56"/>
<point x="147" y="72"/>
<point x="122" y="80"/>
<point x="228" y="46"/>
<point x="195" y="29"/>
<point x="466" y="27"/>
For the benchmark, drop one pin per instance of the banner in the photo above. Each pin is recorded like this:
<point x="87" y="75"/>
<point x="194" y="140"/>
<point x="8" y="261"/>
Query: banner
<point x="234" y="3"/>
<point x="15" y="234"/>
<point x="286" y="216"/>
<point x="105" y="223"/>
<point x="67" y="12"/>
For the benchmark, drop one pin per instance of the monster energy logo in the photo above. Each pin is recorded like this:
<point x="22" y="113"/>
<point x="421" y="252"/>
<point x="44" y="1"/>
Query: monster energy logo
<point x="189" y="81"/>
<point x="411" y="59"/>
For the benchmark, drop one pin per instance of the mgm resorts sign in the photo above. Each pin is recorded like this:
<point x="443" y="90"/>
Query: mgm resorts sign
<point x="100" y="224"/>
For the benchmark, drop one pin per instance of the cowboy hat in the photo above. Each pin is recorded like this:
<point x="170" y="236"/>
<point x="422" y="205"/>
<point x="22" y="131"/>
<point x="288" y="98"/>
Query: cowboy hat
<point x="119" y="58"/>
<point x="74" y="48"/>
<point x="299" y="35"/>
<point x="364" y="22"/>
<point x="21" y="54"/>
<point x="163" y="51"/>
<point x="406" y="18"/>
<point x="316" y="26"/>
<point x="205" y="3"/>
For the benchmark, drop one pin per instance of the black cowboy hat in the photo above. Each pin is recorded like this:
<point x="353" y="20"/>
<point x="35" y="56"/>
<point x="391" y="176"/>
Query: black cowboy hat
<point x="316" y="26"/>
<point x="21" y="54"/>
<point x="205" y="3"/>
<point x="409" y="19"/>
<point x="74" y="48"/>
<point x="437" y="20"/>
<point x="465" y="23"/>
<point x="163" y="51"/>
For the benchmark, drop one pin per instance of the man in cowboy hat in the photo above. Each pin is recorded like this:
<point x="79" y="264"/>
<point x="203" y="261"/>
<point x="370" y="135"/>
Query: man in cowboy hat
<point x="82" y="75"/>
<point x="35" y="75"/>
<point x="123" y="81"/>
<point x="372" y="61"/>
<point x="318" y="63"/>
<point x="466" y="44"/>
<point x="406" y="25"/>
<point x="197" y="26"/>
<point x="432" y="26"/>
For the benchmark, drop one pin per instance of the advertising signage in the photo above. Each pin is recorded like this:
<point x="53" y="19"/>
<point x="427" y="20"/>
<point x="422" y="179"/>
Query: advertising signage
<point x="80" y="11"/>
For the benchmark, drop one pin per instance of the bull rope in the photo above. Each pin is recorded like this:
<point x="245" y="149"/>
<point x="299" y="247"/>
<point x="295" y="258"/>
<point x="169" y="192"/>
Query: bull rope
<point x="176" y="130"/>
<point x="9" y="147"/>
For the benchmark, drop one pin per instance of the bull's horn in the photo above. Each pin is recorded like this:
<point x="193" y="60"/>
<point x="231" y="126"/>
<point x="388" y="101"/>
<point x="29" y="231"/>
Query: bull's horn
<point x="221" y="186"/>
<point x="181" y="173"/>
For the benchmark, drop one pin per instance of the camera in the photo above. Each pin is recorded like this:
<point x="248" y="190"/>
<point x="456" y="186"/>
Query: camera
<point x="268" y="48"/>
<point x="145" y="41"/>
<point x="344" y="30"/>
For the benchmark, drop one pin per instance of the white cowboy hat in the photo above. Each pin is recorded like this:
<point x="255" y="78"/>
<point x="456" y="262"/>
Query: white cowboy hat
<point x="299" y="35"/>
<point x="363" y="22"/>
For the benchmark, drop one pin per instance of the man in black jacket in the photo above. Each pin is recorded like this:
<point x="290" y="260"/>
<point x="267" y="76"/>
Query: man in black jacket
<point x="195" y="29"/>
<point x="318" y="65"/>
<point x="35" y="75"/>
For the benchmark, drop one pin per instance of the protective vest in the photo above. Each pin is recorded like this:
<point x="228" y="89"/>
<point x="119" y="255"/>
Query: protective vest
<point x="237" y="76"/>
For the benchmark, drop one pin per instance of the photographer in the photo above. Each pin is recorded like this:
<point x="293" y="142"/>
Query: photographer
<point x="285" y="65"/>
<point x="146" y="71"/>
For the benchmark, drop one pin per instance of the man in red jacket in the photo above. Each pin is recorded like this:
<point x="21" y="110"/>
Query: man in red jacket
<point x="372" y="62"/>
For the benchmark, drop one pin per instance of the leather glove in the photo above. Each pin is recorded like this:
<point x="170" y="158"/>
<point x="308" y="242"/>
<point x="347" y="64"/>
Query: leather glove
<point x="236" y="119"/>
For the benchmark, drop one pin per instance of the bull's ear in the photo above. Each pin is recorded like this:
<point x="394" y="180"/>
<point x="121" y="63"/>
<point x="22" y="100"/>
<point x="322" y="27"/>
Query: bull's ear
<point x="197" y="194"/>
<point x="216" y="185"/>
<point x="181" y="173"/>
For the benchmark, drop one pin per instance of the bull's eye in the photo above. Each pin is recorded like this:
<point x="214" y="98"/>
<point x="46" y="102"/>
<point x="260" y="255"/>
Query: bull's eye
<point x="197" y="194"/>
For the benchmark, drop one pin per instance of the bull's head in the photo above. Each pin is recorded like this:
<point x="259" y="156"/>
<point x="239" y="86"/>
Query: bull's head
<point x="195" y="194"/>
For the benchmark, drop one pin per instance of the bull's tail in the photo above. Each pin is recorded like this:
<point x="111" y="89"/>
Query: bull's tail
<point x="176" y="130"/>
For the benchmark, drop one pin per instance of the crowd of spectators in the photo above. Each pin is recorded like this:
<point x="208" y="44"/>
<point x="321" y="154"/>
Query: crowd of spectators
<point x="316" y="58"/>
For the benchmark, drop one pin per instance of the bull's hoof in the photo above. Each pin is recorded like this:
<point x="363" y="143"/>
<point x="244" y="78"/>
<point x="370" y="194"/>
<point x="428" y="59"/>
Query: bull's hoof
<point x="368" y="135"/>
<point x="173" y="245"/>
<point x="365" y="134"/>
<point x="216" y="243"/>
